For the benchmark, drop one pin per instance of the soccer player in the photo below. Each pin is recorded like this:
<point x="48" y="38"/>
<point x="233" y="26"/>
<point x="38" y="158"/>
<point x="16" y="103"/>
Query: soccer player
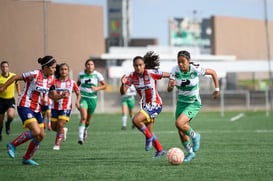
<point x="91" y="81"/>
<point x="127" y="102"/>
<point x="185" y="76"/>
<point x="62" y="108"/>
<point x="46" y="111"/>
<point x="7" y="100"/>
<point x="144" y="79"/>
<point x="37" y="83"/>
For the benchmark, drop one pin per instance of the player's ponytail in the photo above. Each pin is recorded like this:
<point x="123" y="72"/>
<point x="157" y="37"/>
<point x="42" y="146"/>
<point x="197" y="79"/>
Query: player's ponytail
<point x="151" y="60"/>
<point x="46" y="61"/>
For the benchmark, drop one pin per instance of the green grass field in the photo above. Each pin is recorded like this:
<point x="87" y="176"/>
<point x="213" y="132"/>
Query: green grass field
<point x="238" y="150"/>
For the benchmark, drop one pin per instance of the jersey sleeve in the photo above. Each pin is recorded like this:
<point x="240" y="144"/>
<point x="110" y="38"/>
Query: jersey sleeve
<point x="75" y="87"/>
<point x="29" y="76"/>
<point x="201" y="71"/>
<point x="172" y="74"/>
<point x="156" y="74"/>
<point x="100" y="77"/>
<point x="130" y="79"/>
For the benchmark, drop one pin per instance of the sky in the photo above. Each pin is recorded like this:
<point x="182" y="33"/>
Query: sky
<point x="149" y="18"/>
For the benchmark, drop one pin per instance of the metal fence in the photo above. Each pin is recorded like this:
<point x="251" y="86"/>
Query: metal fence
<point x="229" y="100"/>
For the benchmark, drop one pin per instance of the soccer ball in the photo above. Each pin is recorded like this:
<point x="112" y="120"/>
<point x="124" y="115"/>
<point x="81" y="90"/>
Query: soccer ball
<point x="175" y="156"/>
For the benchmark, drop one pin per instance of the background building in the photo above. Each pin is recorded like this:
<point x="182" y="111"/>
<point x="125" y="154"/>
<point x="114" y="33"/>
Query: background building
<point x="73" y="33"/>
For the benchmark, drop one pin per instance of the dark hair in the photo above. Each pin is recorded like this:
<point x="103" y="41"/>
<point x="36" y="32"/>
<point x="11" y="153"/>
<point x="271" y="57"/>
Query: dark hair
<point x="58" y="68"/>
<point x="46" y="61"/>
<point x="88" y="60"/>
<point x="151" y="60"/>
<point x="185" y="54"/>
<point x="4" y="62"/>
<point x="137" y="57"/>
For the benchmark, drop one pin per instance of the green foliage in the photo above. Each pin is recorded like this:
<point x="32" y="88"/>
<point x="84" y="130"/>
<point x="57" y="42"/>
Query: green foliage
<point x="239" y="150"/>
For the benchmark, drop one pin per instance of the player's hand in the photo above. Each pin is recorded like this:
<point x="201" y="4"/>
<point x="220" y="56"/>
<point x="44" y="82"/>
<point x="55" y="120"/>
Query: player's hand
<point x="124" y="79"/>
<point x="171" y="85"/>
<point x="94" y="88"/>
<point x="65" y="94"/>
<point x="77" y="104"/>
<point x="216" y="94"/>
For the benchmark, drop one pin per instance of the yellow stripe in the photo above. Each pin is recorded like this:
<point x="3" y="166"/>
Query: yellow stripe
<point x="26" y="122"/>
<point x="146" y="115"/>
<point x="64" y="118"/>
<point x="54" y="120"/>
<point x="41" y="125"/>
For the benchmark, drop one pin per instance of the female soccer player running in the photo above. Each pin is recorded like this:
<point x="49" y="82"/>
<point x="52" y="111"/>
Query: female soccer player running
<point x="91" y="81"/>
<point x="62" y="108"/>
<point x="185" y="77"/>
<point x="144" y="79"/>
<point x="37" y="83"/>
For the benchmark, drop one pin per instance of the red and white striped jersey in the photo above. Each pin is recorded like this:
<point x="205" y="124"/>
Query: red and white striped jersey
<point x="68" y="86"/>
<point x="46" y="101"/>
<point x="36" y="85"/>
<point x="146" y="86"/>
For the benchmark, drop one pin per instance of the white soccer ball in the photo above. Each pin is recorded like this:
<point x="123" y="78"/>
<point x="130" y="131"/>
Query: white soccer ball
<point x="175" y="156"/>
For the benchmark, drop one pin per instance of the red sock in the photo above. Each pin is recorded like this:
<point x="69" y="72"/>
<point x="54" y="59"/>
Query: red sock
<point x="32" y="148"/>
<point x="22" y="138"/>
<point x="157" y="145"/>
<point x="146" y="132"/>
<point x="59" y="138"/>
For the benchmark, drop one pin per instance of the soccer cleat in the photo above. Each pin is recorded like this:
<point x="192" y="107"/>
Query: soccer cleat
<point x="80" y="142"/>
<point x="158" y="154"/>
<point x="29" y="162"/>
<point x="65" y="133"/>
<point x="7" y="128"/>
<point x="196" y="142"/>
<point x="11" y="150"/>
<point x="85" y="135"/>
<point x="149" y="143"/>
<point x="189" y="157"/>
<point x="123" y="128"/>
<point x="56" y="147"/>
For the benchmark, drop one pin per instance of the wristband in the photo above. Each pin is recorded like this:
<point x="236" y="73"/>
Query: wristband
<point x="217" y="89"/>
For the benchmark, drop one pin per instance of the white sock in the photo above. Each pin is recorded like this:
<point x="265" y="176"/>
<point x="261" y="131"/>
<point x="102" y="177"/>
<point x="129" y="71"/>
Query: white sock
<point x="124" y="120"/>
<point x="81" y="131"/>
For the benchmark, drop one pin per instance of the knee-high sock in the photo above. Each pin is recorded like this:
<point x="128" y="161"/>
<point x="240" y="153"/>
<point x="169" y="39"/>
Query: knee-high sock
<point x="190" y="133"/>
<point x="124" y="120"/>
<point x="156" y="143"/>
<point x="81" y="131"/>
<point x="145" y="131"/>
<point x="22" y="138"/>
<point x="59" y="137"/>
<point x="32" y="148"/>
<point x="9" y="120"/>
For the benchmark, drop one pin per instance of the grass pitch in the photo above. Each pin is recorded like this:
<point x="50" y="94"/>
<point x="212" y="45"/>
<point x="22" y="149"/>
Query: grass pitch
<point x="230" y="150"/>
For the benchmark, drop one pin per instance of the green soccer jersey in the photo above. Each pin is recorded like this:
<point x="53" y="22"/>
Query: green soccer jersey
<point x="188" y="83"/>
<point x="88" y="80"/>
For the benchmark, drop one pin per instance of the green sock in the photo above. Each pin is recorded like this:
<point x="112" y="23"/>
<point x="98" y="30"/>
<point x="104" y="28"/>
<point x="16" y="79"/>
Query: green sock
<point x="190" y="133"/>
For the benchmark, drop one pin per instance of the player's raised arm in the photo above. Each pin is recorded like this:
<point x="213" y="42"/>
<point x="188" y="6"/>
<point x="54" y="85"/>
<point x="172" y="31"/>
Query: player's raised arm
<point x="123" y="87"/>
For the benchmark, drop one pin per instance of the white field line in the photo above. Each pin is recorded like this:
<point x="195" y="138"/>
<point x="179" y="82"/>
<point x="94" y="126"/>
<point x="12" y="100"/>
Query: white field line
<point x="239" y="116"/>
